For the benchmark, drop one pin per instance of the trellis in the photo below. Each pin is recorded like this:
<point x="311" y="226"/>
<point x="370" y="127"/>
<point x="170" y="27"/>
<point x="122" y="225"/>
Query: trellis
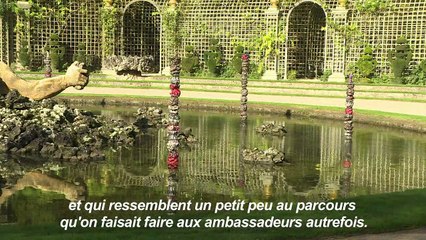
<point x="6" y="37"/>
<point x="306" y="40"/>
<point x="141" y="31"/>
<point x="380" y="31"/>
<point x="82" y="26"/>
<point x="232" y="23"/>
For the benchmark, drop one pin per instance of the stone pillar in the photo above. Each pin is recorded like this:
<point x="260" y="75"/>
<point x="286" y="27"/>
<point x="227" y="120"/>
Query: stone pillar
<point x="337" y="44"/>
<point x="271" y="63"/>
<point x="244" y="92"/>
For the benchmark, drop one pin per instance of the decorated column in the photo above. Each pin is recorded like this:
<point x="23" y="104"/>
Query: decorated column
<point x="244" y="92"/>
<point x="337" y="43"/>
<point x="347" y="162"/>
<point x="271" y="61"/>
<point x="349" y="109"/>
<point x="173" y="128"/>
<point x="47" y="67"/>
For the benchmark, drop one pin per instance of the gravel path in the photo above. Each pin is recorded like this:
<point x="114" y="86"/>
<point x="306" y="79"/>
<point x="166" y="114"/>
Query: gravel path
<point x="411" y="108"/>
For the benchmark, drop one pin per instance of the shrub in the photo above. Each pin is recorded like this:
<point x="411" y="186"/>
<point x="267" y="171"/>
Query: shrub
<point x="81" y="53"/>
<point x="236" y="59"/>
<point x="190" y="63"/>
<point x="400" y="59"/>
<point x="57" y="53"/>
<point x="253" y="73"/>
<point x="91" y="62"/>
<point x="24" y="56"/>
<point x="418" y="76"/>
<point x="383" y="79"/>
<point x="366" y="64"/>
<point x="292" y="75"/>
<point x="214" y="58"/>
<point x="325" y="75"/>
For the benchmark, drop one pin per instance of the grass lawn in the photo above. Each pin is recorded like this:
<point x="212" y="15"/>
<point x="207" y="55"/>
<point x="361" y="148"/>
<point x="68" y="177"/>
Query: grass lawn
<point x="382" y="213"/>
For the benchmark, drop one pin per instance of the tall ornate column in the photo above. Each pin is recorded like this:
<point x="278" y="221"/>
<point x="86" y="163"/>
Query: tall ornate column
<point x="271" y="62"/>
<point x="337" y="45"/>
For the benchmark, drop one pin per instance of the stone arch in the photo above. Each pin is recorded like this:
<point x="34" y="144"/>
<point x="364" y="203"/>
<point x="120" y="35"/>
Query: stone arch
<point x="141" y="30"/>
<point x="306" y="39"/>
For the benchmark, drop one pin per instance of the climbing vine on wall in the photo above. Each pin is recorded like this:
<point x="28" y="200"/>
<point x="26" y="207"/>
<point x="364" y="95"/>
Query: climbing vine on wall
<point x="109" y="15"/>
<point x="267" y="45"/>
<point x="373" y="6"/>
<point x="171" y="20"/>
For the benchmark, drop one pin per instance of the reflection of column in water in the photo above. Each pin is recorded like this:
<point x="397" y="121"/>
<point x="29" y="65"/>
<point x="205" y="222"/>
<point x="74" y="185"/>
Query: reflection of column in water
<point x="349" y="108"/>
<point x="345" y="180"/>
<point x="347" y="163"/>
<point x="172" y="183"/>
<point x="244" y="91"/>
<point x="173" y="129"/>
<point x="243" y="145"/>
<point x="267" y="180"/>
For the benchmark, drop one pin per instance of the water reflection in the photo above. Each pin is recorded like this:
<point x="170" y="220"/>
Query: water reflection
<point x="386" y="161"/>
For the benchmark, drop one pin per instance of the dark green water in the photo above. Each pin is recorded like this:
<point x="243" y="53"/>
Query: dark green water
<point x="383" y="160"/>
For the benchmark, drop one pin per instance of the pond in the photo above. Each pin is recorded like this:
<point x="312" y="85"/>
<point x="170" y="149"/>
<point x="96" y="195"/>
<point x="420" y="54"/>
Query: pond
<point x="383" y="160"/>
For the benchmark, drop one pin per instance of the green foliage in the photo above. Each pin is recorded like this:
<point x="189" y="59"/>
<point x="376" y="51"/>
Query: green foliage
<point x="325" y="75"/>
<point x="383" y="79"/>
<point x="81" y="53"/>
<point x="400" y="58"/>
<point x="109" y="16"/>
<point x="5" y="7"/>
<point x="418" y="76"/>
<point x="267" y="45"/>
<point x="373" y="6"/>
<point x="171" y="20"/>
<point x="214" y="58"/>
<point x="366" y="64"/>
<point x="253" y="73"/>
<point x="191" y="62"/>
<point x="292" y="75"/>
<point x="236" y="60"/>
<point x="24" y="56"/>
<point x="91" y="62"/>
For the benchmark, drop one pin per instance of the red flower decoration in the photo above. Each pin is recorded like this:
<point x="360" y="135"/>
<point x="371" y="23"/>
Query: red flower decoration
<point x="347" y="164"/>
<point x="173" y="160"/>
<point x="174" y="86"/>
<point x="173" y="128"/>
<point x="175" y="92"/>
<point x="349" y="111"/>
<point x="245" y="57"/>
